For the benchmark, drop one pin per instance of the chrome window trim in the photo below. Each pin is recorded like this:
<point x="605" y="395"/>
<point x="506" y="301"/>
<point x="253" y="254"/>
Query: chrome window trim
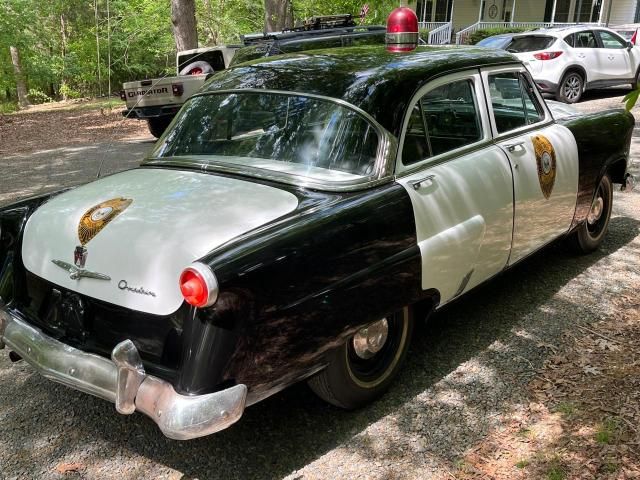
<point x="383" y="166"/>
<point x="472" y="75"/>
<point x="546" y="120"/>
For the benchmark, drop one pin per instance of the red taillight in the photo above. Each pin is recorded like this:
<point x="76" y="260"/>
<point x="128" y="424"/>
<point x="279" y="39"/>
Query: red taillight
<point x="198" y="285"/>
<point x="177" y="89"/>
<point x="547" y="55"/>
<point x="123" y="95"/>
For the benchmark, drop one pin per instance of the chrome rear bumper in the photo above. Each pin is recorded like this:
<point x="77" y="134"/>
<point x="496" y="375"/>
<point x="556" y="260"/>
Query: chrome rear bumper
<point x="123" y="381"/>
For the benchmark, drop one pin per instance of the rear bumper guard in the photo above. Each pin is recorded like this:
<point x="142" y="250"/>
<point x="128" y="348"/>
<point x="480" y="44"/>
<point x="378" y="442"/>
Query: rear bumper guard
<point x="629" y="183"/>
<point x="123" y="381"/>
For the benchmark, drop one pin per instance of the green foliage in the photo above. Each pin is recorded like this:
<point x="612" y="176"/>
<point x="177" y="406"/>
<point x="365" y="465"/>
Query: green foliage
<point x="478" y="35"/>
<point x="72" y="48"/>
<point x="607" y="431"/>
<point x="631" y="98"/>
<point x="38" y="96"/>
<point x="424" y="34"/>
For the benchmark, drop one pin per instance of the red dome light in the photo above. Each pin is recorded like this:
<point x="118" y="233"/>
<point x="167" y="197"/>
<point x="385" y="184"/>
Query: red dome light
<point x="198" y="285"/>
<point x="402" y="30"/>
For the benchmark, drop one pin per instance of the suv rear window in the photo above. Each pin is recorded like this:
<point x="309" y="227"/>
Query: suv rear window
<point x="530" y="43"/>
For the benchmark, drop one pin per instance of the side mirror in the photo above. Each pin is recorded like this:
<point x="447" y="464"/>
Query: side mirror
<point x="629" y="46"/>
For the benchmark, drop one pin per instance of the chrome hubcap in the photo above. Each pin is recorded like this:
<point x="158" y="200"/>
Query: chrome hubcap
<point x="370" y="339"/>
<point x="572" y="87"/>
<point x="597" y="208"/>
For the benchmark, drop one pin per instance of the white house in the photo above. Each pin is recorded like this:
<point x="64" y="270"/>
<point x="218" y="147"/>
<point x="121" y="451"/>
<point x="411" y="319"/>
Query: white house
<point x="445" y="18"/>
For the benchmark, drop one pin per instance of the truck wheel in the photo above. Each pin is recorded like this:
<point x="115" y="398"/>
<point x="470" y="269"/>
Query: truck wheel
<point x="157" y="126"/>
<point x="364" y="367"/>
<point x="571" y="87"/>
<point x="589" y="235"/>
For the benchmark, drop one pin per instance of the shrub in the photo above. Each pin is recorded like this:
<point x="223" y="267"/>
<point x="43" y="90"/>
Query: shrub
<point x="69" y="93"/>
<point x="424" y="34"/>
<point x="38" y="96"/>
<point x="478" y="35"/>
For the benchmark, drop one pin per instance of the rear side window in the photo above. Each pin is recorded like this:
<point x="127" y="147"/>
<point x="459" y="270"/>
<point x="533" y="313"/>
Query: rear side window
<point x="444" y="119"/>
<point x="514" y="102"/>
<point x="530" y="43"/>
<point x="585" y="40"/>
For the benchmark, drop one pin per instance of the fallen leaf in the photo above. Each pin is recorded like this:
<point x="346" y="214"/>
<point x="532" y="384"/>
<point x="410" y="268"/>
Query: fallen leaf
<point x="64" y="467"/>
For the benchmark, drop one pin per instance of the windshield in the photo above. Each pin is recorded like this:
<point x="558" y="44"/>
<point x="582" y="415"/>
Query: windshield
<point x="288" y="134"/>
<point x="530" y="43"/>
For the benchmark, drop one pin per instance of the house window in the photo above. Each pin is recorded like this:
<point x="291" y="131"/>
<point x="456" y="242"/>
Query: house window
<point x="562" y="11"/>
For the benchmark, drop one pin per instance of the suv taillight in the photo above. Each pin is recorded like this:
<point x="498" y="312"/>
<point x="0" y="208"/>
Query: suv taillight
<point x="547" y="55"/>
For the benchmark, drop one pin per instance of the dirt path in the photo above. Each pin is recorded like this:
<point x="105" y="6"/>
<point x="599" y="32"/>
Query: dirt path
<point x="57" y="145"/>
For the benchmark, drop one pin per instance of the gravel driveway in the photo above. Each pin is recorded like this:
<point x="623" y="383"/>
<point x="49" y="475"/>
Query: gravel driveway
<point x="466" y="372"/>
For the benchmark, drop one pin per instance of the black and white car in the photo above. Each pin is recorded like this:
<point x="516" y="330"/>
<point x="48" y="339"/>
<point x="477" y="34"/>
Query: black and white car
<point x="567" y="61"/>
<point x="289" y="224"/>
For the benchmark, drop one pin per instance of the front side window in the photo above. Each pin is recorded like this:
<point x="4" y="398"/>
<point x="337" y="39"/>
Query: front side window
<point x="611" y="41"/>
<point x="289" y="134"/>
<point x="444" y="119"/>
<point x="514" y="102"/>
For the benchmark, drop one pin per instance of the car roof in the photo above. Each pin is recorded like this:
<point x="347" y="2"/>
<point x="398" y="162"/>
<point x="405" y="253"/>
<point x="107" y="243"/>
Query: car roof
<point x="379" y="82"/>
<point x="563" y="31"/>
<point x="626" y="26"/>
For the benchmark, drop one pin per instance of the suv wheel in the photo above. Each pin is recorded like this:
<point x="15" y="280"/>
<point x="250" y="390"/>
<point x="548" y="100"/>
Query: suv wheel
<point x="571" y="88"/>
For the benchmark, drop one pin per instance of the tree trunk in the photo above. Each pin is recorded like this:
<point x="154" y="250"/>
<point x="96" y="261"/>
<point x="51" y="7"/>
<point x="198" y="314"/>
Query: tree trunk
<point x="278" y="15"/>
<point x="183" y="18"/>
<point x="63" y="52"/>
<point x="21" y="83"/>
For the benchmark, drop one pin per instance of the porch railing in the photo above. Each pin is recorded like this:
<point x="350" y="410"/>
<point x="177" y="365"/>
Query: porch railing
<point x="430" y="25"/>
<point x="463" y="35"/>
<point x="440" y="35"/>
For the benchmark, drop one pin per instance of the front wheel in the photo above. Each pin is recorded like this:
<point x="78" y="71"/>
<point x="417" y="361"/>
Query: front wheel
<point x="364" y="367"/>
<point x="571" y="88"/>
<point x="590" y="234"/>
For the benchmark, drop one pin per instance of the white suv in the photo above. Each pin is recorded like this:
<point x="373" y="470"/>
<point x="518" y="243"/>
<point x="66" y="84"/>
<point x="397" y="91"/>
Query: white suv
<point x="567" y="61"/>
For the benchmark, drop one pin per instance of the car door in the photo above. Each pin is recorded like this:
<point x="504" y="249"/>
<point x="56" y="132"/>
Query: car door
<point x="460" y="185"/>
<point x="543" y="156"/>
<point x="585" y="49"/>
<point x="614" y="57"/>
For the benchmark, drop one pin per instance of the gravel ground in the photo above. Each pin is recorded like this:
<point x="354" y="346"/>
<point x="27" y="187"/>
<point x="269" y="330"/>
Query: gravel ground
<point x="466" y="373"/>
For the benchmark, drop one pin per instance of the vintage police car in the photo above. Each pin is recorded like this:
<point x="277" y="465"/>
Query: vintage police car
<point x="289" y="222"/>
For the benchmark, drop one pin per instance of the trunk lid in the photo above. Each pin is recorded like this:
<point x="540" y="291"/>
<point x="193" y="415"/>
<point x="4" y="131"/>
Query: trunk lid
<point x="141" y="228"/>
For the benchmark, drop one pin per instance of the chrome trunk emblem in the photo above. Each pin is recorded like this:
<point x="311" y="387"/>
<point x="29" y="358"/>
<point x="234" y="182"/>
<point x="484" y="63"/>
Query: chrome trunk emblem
<point x="76" y="273"/>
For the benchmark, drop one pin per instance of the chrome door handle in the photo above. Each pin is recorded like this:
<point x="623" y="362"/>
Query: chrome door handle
<point x="417" y="184"/>
<point x="511" y="147"/>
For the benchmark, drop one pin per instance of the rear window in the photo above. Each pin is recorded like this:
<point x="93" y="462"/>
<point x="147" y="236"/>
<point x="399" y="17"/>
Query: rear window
<point x="530" y="43"/>
<point x="493" y="42"/>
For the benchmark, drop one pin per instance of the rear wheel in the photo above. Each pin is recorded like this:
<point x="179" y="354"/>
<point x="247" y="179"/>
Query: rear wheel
<point x="571" y="88"/>
<point x="158" y="125"/>
<point x="590" y="234"/>
<point x="364" y="367"/>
